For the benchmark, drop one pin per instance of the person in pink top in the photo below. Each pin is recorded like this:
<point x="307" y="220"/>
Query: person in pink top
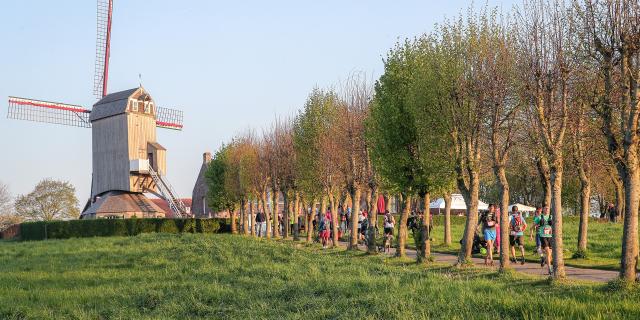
<point x="325" y="229"/>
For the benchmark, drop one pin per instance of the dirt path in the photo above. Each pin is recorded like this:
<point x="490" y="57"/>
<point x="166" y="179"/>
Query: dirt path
<point x="528" y="268"/>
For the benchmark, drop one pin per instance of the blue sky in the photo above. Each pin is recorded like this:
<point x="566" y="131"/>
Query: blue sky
<point x="229" y="65"/>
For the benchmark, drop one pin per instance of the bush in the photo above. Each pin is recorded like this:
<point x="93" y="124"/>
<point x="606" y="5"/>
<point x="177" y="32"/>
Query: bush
<point x="117" y="227"/>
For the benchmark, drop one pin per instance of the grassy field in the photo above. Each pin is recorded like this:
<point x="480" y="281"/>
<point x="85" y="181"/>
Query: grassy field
<point x="604" y="242"/>
<point x="157" y="276"/>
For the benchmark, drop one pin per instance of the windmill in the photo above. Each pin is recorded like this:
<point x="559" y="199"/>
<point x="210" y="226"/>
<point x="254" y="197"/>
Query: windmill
<point x="127" y="160"/>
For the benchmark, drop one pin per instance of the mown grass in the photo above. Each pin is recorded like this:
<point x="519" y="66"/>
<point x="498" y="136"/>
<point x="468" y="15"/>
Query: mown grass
<point x="157" y="276"/>
<point x="604" y="244"/>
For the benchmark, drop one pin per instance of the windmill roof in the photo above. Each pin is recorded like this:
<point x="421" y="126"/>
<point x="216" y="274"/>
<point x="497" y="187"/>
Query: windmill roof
<point x="112" y="104"/>
<point x="120" y="201"/>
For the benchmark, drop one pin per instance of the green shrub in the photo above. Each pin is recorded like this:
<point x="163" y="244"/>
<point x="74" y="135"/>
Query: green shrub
<point x="117" y="227"/>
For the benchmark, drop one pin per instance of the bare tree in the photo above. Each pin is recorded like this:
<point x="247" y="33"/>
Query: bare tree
<point x="544" y="32"/>
<point x="7" y="212"/>
<point x="356" y="94"/>
<point x="611" y="37"/>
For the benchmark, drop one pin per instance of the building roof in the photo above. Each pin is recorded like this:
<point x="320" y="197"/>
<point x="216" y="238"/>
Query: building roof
<point x="164" y="205"/>
<point x="117" y="202"/>
<point x="115" y="103"/>
<point x="156" y="145"/>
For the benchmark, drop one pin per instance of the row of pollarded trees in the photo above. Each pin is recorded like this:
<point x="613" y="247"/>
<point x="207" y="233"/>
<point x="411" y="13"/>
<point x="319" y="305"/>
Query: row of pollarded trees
<point x="552" y="79"/>
<point x="319" y="157"/>
<point x="475" y="105"/>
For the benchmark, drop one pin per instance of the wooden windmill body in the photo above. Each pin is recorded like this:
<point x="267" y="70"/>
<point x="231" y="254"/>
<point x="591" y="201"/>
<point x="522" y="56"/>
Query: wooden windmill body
<point x="127" y="159"/>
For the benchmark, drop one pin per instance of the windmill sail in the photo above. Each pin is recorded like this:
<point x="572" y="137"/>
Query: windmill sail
<point x="48" y="112"/>
<point x="169" y="118"/>
<point x="103" y="43"/>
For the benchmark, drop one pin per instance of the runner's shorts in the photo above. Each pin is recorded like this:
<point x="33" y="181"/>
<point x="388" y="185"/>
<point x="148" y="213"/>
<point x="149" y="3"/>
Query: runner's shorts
<point x="546" y="242"/>
<point x="388" y="231"/>
<point x="516" y="240"/>
<point x="489" y="234"/>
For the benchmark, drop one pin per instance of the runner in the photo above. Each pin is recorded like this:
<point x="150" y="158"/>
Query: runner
<point x="537" y="235"/>
<point x="489" y="223"/>
<point x="324" y="229"/>
<point x="389" y="223"/>
<point x="364" y="225"/>
<point x="543" y="225"/>
<point x="517" y="225"/>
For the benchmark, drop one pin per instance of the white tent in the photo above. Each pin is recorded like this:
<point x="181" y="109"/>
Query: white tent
<point x="457" y="203"/>
<point x="522" y="207"/>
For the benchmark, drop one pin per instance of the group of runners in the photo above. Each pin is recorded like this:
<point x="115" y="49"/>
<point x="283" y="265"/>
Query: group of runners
<point x="325" y="225"/>
<point x="542" y="231"/>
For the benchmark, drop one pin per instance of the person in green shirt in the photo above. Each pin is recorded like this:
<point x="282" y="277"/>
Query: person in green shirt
<point x="544" y="229"/>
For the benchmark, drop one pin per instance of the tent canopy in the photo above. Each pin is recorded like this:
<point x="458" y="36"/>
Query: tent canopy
<point x="522" y="207"/>
<point x="457" y="203"/>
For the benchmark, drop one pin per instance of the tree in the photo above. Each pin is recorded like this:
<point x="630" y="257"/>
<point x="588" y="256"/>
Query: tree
<point x="544" y="43"/>
<point x="462" y="104"/>
<point x="426" y="98"/>
<point x="355" y="97"/>
<point x="7" y="213"/>
<point x="318" y="150"/>
<point x="50" y="200"/>
<point x="218" y="196"/>
<point x="609" y="33"/>
<point x="496" y="79"/>
<point x="392" y="132"/>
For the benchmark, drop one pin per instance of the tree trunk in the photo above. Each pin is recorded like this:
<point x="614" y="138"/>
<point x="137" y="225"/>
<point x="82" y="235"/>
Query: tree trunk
<point x="556" y="209"/>
<point x="285" y="215"/>
<point x="309" y="216"/>
<point x="402" y="232"/>
<point x="543" y="170"/>
<point x="424" y="254"/>
<point x="296" y="211"/>
<point x="447" y="219"/>
<point x="334" y="219"/>
<point x="373" y="222"/>
<point x="355" y="213"/>
<point x="585" y="205"/>
<point x="323" y="209"/>
<point x="234" y="221"/>
<point x="629" y="259"/>
<point x="252" y="215"/>
<point x="471" y="199"/>
<point x="387" y="203"/>
<point x="276" y="227"/>
<point x="620" y="197"/>
<point x="503" y="184"/>
<point x="267" y="214"/>
<point x="245" y="216"/>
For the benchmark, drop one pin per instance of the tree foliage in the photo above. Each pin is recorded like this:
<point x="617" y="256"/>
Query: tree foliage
<point x="50" y="200"/>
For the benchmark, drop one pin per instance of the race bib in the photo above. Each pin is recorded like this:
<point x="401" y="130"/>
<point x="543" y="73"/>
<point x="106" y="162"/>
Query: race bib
<point x="547" y="230"/>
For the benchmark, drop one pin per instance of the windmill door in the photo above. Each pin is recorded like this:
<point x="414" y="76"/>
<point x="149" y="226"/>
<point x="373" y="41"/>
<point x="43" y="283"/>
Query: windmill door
<point x="152" y="163"/>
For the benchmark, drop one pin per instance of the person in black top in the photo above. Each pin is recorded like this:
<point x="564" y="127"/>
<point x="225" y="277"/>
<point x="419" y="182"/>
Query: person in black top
<point x="260" y="219"/>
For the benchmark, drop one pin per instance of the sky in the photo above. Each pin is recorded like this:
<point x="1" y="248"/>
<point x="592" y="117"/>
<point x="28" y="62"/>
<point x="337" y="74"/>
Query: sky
<point x="229" y="65"/>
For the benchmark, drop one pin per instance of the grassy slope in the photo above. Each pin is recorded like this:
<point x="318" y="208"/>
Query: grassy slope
<point x="604" y="242"/>
<point x="224" y="276"/>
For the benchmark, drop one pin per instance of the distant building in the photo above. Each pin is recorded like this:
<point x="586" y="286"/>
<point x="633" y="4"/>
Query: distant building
<point x="164" y="205"/>
<point x="199" y="196"/>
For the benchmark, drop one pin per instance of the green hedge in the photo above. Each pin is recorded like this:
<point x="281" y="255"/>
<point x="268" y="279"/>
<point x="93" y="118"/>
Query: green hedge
<point x="117" y="227"/>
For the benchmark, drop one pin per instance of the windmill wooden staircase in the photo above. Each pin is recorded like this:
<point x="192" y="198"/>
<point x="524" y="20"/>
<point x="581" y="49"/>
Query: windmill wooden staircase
<point x="167" y="192"/>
